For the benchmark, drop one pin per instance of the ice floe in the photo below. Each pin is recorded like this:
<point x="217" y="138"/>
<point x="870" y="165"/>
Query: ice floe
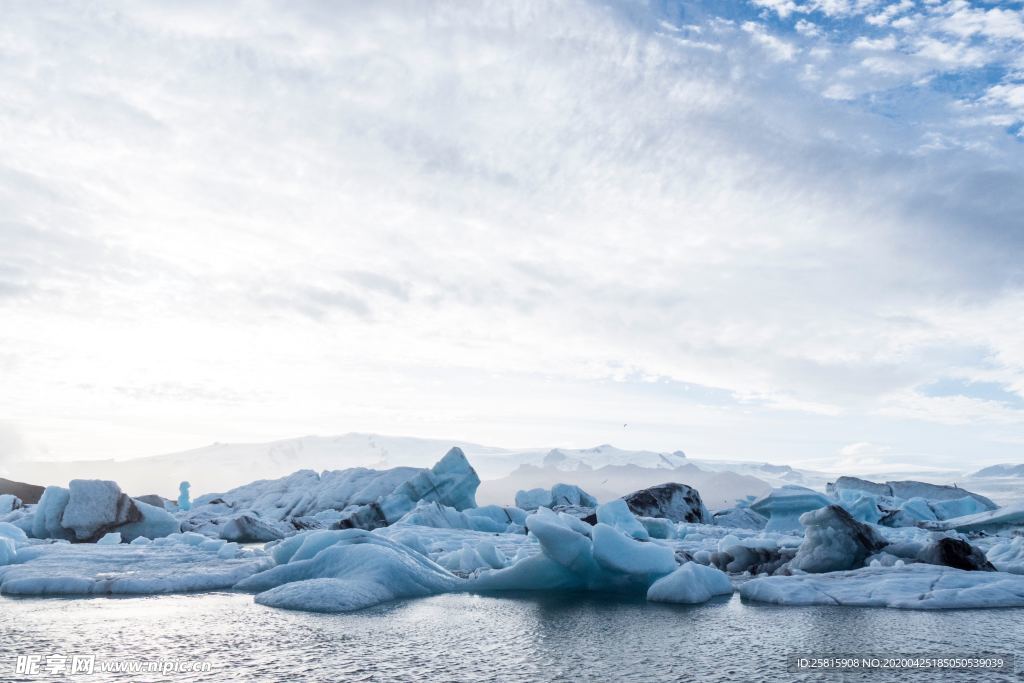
<point x="912" y="586"/>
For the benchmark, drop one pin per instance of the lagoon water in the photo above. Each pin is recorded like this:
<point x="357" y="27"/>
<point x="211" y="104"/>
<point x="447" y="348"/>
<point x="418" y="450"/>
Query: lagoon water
<point x="523" y="637"/>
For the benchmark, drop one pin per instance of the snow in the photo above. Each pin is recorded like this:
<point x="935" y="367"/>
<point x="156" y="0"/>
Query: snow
<point x="783" y="506"/>
<point x="52" y="569"/>
<point x="349" y="570"/>
<point x="1008" y="555"/>
<point x="911" y="586"/>
<point x="690" y="584"/>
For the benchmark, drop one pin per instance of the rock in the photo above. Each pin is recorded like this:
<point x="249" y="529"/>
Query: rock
<point x="28" y="493"/>
<point x="834" y="541"/>
<point x="96" y="506"/>
<point x="956" y="553"/>
<point x="248" y="528"/>
<point x="783" y="506"/>
<point x="677" y="502"/>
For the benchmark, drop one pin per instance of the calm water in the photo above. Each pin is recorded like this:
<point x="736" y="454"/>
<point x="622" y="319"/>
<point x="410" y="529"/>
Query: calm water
<point x="479" y="638"/>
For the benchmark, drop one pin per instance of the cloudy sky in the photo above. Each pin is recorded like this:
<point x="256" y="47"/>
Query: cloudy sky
<point x="778" y="229"/>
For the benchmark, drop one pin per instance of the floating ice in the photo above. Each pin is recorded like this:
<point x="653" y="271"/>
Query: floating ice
<point x="125" y="569"/>
<point x="912" y="586"/>
<point x="560" y="494"/>
<point x="616" y="513"/>
<point x="184" y="504"/>
<point x="96" y="506"/>
<point x="690" y="584"/>
<point x="155" y="522"/>
<point x="1008" y="556"/>
<point x="783" y="506"/>
<point x="9" y="503"/>
<point x="993" y="520"/>
<point x="834" y="540"/>
<point x="488" y="518"/>
<point x="740" y="517"/>
<point x="47" y="517"/>
<point x="346" y="570"/>
<point x="112" y="538"/>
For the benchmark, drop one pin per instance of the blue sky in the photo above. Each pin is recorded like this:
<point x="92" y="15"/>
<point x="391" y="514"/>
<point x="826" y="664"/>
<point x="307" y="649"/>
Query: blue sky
<point x="774" y="230"/>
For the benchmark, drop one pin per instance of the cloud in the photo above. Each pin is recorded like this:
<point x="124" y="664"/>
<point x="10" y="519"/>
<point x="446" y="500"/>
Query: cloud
<point x="425" y="216"/>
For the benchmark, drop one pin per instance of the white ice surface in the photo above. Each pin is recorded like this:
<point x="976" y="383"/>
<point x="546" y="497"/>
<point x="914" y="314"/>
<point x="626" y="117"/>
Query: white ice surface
<point x="912" y="586"/>
<point x="783" y="506"/>
<point x="346" y="570"/>
<point x="53" y="569"/>
<point x="690" y="584"/>
<point x="1008" y="555"/>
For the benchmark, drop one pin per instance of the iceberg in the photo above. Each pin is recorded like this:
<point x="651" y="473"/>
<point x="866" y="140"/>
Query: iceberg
<point x="46" y="520"/>
<point x="342" y="571"/>
<point x="783" y="506"/>
<point x="834" y="540"/>
<point x="908" y="489"/>
<point x="993" y="520"/>
<point x="491" y="518"/>
<point x="53" y="569"/>
<point x="911" y="586"/>
<point x="559" y="494"/>
<point x="1008" y="555"/>
<point x="154" y="522"/>
<point x="690" y="584"/>
<point x="96" y="506"/>
<point x="740" y="518"/>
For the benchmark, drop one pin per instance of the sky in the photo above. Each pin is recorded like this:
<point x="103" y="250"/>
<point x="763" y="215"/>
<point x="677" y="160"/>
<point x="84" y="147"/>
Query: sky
<point x="771" y="229"/>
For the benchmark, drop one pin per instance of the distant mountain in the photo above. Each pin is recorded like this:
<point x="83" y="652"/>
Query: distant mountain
<point x="717" y="489"/>
<point x="27" y="493"/>
<point x="221" y="466"/>
<point x="1000" y="471"/>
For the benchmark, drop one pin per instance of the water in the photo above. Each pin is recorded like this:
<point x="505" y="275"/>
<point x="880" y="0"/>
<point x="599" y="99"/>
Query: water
<point x="526" y="637"/>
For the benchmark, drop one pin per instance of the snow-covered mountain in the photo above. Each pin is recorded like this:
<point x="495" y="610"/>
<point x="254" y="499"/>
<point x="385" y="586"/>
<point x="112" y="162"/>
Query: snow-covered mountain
<point x="1003" y="470"/>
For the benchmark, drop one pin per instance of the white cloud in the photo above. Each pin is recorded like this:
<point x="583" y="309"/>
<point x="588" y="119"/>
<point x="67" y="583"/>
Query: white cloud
<point x="482" y="222"/>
